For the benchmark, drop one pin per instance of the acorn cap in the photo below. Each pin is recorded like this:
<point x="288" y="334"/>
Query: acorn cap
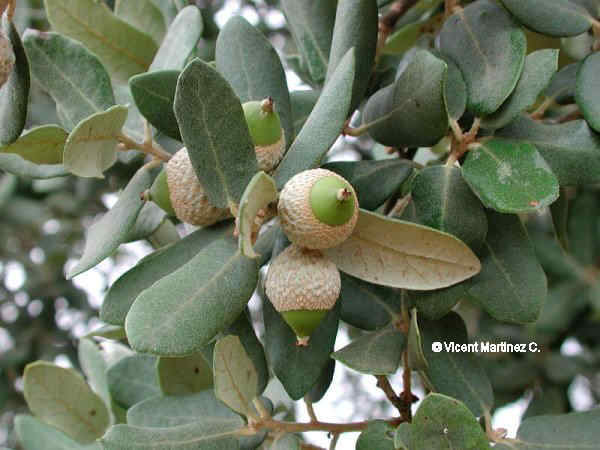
<point x="187" y="195"/>
<point x="7" y="59"/>
<point x="159" y="193"/>
<point x="266" y="132"/>
<point x="302" y="285"/>
<point x="318" y="209"/>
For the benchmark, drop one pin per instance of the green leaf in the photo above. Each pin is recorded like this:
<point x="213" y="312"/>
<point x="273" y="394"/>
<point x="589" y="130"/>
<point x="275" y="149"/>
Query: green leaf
<point x="560" y="211"/>
<point x="154" y="95"/>
<point x="61" y="398"/>
<point x="430" y="259"/>
<point x="356" y="25"/>
<point x="456" y="374"/>
<point x="183" y="311"/>
<point x="14" y="95"/>
<point x="510" y="176"/>
<point x="412" y="111"/>
<point x="323" y="382"/>
<point x="415" y="355"/>
<point x="215" y="133"/>
<point x="134" y="125"/>
<point x="551" y="17"/>
<point x="489" y="49"/>
<point x="378" y="435"/>
<point x="512" y="285"/>
<point x="311" y="24"/>
<point x="113" y="332"/>
<point x="374" y="181"/>
<point x="562" y="85"/>
<point x="455" y="91"/>
<point x="151" y="216"/>
<point x="144" y="15"/>
<point x="443" y="423"/>
<point x="539" y="68"/>
<point x="402" y="436"/>
<point x="152" y="268"/>
<point x="79" y="90"/>
<point x="571" y="149"/>
<point x="574" y="431"/>
<point x="260" y="192"/>
<point x="437" y="303"/>
<point x="133" y="379"/>
<point x="91" y="148"/>
<point x="250" y="64"/>
<point x="235" y="376"/>
<point x="35" y="434"/>
<point x="438" y="192"/>
<point x="367" y="306"/>
<point x="587" y="88"/>
<point x="105" y="235"/>
<point x="16" y="165"/>
<point x="180" y="41"/>
<point x="213" y="434"/>
<point x="94" y="367"/>
<point x="298" y="368"/>
<point x="40" y="145"/>
<point x="302" y="103"/>
<point x="286" y="442"/>
<point x="323" y="126"/>
<point x="376" y="353"/>
<point x="182" y="376"/>
<point x="124" y="50"/>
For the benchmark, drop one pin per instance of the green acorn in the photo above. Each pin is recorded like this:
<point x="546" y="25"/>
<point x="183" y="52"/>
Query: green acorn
<point x="266" y="132"/>
<point x="179" y="193"/>
<point x="7" y="59"/>
<point x="318" y="209"/>
<point x="303" y="285"/>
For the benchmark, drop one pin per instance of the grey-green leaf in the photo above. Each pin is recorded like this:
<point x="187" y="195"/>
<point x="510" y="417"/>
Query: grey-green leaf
<point x="250" y="64"/>
<point x="416" y="356"/>
<point x="150" y="269"/>
<point x="236" y="381"/>
<point x="311" y="23"/>
<point x="61" y="398"/>
<point x="356" y="26"/>
<point x="80" y="89"/>
<point x="443" y="423"/>
<point x="587" y="89"/>
<point x="154" y="95"/>
<point x="298" y="368"/>
<point x="15" y="164"/>
<point x="14" y="95"/>
<point x="571" y="149"/>
<point x="539" y="68"/>
<point x="489" y="49"/>
<point x="91" y="147"/>
<point x="182" y="376"/>
<point x="412" y="111"/>
<point x="124" y="50"/>
<point x="41" y="145"/>
<point x="378" y="435"/>
<point x="551" y="17"/>
<point x="183" y="311"/>
<point x="93" y="366"/>
<point x="456" y="374"/>
<point x="512" y="285"/>
<point x="35" y="434"/>
<point x="438" y="192"/>
<point x="180" y="41"/>
<point x="562" y="85"/>
<point x="402" y="436"/>
<point x="105" y="235"/>
<point x="376" y="353"/>
<point x="324" y="124"/>
<point x="374" y="181"/>
<point x="133" y="379"/>
<point x="455" y="91"/>
<point x="510" y="176"/>
<point x="302" y="103"/>
<point x="214" y="130"/>
<point x="144" y="15"/>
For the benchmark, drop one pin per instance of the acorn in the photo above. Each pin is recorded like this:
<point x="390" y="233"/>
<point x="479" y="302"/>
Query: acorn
<point x="7" y="59"/>
<point x="318" y="209"/>
<point x="178" y="192"/>
<point x="266" y="133"/>
<point x="302" y="284"/>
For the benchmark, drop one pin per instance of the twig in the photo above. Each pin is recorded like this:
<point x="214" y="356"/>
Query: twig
<point x="151" y="148"/>
<point x="260" y="408"/>
<point x="541" y="110"/>
<point x="297" y="427"/>
<point x="574" y="115"/>
<point x="450" y="6"/>
<point x="310" y="409"/>
<point x="407" y="396"/>
<point x="461" y="142"/>
<point x="334" y="441"/>
<point x="384" y="384"/>
<point x="10" y="12"/>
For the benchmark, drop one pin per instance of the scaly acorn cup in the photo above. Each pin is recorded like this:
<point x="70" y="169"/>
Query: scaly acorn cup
<point x="302" y="285"/>
<point x="318" y="209"/>
<point x="266" y="133"/>
<point x="7" y="59"/>
<point x="183" y="195"/>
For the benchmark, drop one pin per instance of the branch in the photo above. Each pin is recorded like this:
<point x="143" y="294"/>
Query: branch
<point x="149" y="147"/>
<point x="384" y="384"/>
